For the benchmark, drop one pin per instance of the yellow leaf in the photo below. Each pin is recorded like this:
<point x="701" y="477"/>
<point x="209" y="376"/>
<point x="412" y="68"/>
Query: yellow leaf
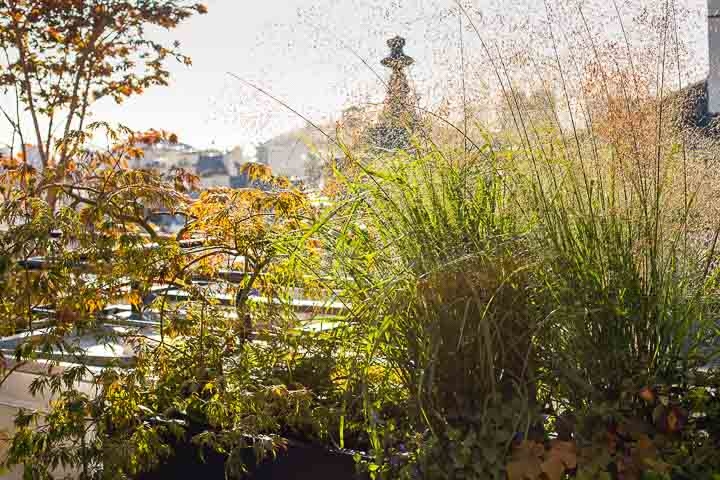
<point x="92" y="305"/>
<point x="134" y="298"/>
<point x="279" y="391"/>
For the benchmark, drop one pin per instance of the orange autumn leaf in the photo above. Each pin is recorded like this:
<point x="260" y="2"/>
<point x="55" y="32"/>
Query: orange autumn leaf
<point x="566" y="452"/>
<point x="135" y="152"/>
<point x="125" y="90"/>
<point x="561" y="456"/>
<point x="526" y="463"/>
<point x="54" y="34"/>
<point x="647" y="395"/>
<point x="553" y="469"/>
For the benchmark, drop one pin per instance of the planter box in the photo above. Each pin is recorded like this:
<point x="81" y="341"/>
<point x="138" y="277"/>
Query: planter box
<point x="298" y="462"/>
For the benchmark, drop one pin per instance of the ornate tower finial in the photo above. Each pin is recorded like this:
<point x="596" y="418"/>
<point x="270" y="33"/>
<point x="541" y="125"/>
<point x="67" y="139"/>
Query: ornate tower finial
<point x="397" y="58"/>
<point x="398" y="117"/>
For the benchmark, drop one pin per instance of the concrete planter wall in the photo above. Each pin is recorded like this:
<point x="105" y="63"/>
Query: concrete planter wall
<point x="298" y="462"/>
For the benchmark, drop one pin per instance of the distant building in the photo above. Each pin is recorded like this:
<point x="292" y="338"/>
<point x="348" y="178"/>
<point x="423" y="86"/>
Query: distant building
<point x="210" y="164"/>
<point x="236" y="157"/>
<point x="164" y="156"/>
<point x="289" y="153"/>
<point x="304" y="154"/>
<point x="214" y="169"/>
<point x="242" y="180"/>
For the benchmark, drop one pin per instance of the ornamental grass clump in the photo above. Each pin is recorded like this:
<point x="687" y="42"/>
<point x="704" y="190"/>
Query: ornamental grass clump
<point x="436" y="266"/>
<point x="545" y="295"/>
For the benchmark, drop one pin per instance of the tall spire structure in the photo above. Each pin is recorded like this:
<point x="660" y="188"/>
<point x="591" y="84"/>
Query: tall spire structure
<point x="398" y="118"/>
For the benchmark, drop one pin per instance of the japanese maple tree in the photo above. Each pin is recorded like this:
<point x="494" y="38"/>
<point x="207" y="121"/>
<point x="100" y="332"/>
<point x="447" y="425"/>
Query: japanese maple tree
<point x="61" y="56"/>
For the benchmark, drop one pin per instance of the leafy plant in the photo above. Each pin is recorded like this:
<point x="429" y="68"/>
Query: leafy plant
<point x="61" y="57"/>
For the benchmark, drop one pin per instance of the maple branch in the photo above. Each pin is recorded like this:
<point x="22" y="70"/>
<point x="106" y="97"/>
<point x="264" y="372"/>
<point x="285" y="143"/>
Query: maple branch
<point x="86" y="102"/>
<point x="17" y="108"/>
<point x="8" y="118"/>
<point x="20" y="44"/>
<point x="218" y="250"/>
<point x="12" y="370"/>
<point x="243" y="293"/>
<point x="74" y="102"/>
<point x="140" y="221"/>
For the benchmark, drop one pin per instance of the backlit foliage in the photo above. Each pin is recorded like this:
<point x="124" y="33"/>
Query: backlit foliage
<point x="61" y="56"/>
<point x="536" y="303"/>
<point x="102" y="246"/>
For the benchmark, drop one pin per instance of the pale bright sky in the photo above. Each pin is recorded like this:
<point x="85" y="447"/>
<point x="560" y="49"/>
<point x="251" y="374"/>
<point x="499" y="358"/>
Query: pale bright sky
<point x="284" y="46"/>
<point x="294" y="49"/>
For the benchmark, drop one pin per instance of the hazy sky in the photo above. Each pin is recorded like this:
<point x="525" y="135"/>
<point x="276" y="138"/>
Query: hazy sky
<point x="302" y="52"/>
<point x="284" y="46"/>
